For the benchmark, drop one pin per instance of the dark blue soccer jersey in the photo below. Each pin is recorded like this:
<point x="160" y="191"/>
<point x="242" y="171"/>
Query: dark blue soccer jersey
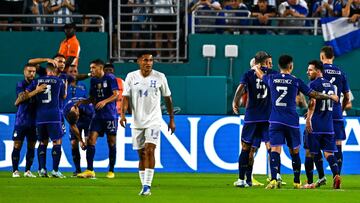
<point x="26" y="112"/>
<point x="259" y="103"/>
<point x="100" y="89"/>
<point x="65" y="77"/>
<point x="79" y="90"/>
<point x="47" y="102"/>
<point x="86" y="111"/>
<point x="283" y="89"/>
<point x="322" y="121"/>
<point x="338" y="78"/>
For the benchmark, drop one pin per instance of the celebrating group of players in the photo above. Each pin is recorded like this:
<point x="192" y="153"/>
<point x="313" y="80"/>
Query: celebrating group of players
<point x="44" y="102"/>
<point x="271" y="117"/>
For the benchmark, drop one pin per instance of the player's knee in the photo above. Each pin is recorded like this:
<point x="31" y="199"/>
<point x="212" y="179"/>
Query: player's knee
<point x="245" y="146"/>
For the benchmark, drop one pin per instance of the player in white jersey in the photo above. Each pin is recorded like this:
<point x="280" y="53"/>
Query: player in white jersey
<point x="142" y="92"/>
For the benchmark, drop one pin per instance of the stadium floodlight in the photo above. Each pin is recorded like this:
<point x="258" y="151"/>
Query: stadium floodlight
<point x="208" y="51"/>
<point x="231" y="52"/>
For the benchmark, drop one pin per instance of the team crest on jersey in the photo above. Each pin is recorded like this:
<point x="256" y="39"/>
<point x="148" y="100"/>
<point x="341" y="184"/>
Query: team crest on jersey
<point x="153" y="83"/>
<point x="105" y="84"/>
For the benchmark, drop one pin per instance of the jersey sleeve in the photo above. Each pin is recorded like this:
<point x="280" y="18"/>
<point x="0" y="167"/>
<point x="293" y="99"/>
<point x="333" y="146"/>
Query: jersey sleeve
<point x="127" y="86"/>
<point x="32" y="86"/>
<point x="165" y="90"/>
<point x="113" y="83"/>
<point x="244" y="79"/>
<point x="19" y="88"/>
<point x="303" y="87"/>
<point x="266" y="79"/>
<point x="74" y="49"/>
<point x="345" y="84"/>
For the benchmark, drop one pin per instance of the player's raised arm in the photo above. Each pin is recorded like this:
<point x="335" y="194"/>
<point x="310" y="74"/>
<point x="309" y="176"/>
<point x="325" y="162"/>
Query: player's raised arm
<point x="319" y="95"/>
<point x="235" y="104"/>
<point x="23" y="96"/>
<point x="169" y="107"/>
<point x="258" y="71"/>
<point x="309" y="115"/>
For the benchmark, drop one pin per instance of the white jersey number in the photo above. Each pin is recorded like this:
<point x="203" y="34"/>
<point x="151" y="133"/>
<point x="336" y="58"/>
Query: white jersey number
<point x="48" y="93"/>
<point x="283" y="91"/>
<point x="327" y="103"/>
<point x="261" y="86"/>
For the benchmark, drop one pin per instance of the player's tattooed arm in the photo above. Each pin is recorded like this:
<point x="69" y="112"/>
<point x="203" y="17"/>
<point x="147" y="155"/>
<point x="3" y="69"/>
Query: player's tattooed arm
<point x="235" y="103"/>
<point x="23" y="96"/>
<point x="259" y="72"/>
<point x="319" y="95"/>
<point x="309" y="115"/>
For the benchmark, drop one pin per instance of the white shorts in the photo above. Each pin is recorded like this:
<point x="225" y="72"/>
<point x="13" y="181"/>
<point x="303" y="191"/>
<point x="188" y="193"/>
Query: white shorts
<point x="140" y="136"/>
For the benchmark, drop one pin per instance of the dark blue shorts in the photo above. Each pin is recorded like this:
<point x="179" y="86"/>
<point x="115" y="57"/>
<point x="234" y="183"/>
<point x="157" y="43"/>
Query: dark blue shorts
<point x="324" y="142"/>
<point x="21" y="132"/>
<point x="339" y="129"/>
<point x="81" y="127"/>
<point x="104" y="126"/>
<point x="255" y="133"/>
<point x="53" y="131"/>
<point x="281" y="134"/>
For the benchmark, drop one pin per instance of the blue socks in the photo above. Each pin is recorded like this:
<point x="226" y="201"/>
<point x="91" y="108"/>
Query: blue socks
<point x="112" y="157"/>
<point x="339" y="157"/>
<point x="318" y="160"/>
<point x="309" y="168"/>
<point x="274" y="164"/>
<point x="90" y="153"/>
<point x="76" y="159"/>
<point x="15" y="157"/>
<point x="333" y="165"/>
<point x="30" y="153"/>
<point x="296" y="164"/>
<point x="56" y="155"/>
<point x="243" y="163"/>
<point x="42" y="156"/>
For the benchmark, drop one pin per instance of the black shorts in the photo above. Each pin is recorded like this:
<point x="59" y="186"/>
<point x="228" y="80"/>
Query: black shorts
<point x="165" y="27"/>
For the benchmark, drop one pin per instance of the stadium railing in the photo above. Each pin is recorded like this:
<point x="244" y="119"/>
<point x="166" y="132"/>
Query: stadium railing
<point x="29" y="23"/>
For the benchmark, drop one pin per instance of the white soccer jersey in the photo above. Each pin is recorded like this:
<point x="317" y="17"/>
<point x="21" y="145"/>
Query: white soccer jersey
<point x="145" y="97"/>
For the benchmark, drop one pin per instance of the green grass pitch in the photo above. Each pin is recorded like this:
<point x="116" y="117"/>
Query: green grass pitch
<point x="168" y="187"/>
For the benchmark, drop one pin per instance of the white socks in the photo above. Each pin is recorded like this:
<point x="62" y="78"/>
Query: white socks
<point x="148" y="176"/>
<point x="141" y="176"/>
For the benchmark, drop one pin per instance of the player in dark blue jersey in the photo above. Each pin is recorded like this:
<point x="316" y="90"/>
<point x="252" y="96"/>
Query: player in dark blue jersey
<point x="103" y="94"/>
<point x="48" y="117"/>
<point x="79" y="118"/>
<point x="257" y="114"/>
<point x="319" y="126"/>
<point x="25" y="124"/>
<point x="338" y="78"/>
<point x="284" y="120"/>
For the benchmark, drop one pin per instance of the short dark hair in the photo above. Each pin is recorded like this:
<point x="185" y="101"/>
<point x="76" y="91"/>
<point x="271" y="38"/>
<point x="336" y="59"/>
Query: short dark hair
<point x="261" y="56"/>
<point x="142" y="53"/>
<point x="50" y="67"/>
<point x="29" y="65"/>
<point x="71" y="117"/>
<point x="317" y="64"/>
<point x="70" y="25"/>
<point x="98" y="62"/>
<point x="109" y="65"/>
<point x="284" y="61"/>
<point x="59" y="55"/>
<point x="328" y="51"/>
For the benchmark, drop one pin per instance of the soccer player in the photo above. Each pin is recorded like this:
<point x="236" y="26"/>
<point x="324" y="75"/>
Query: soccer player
<point x="25" y="124"/>
<point x="143" y="89"/>
<point x="338" y="78"/>
<point x="257" y="115"/>
<point x="79" y="118"/>
<point x="319" y="125"/>
<point x="48" y="117"/>
<point x="103" y="94"/>
<point x="284" y="120"/>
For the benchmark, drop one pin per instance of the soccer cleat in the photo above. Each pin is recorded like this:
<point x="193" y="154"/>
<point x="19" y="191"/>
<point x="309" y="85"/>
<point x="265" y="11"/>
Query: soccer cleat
<point x="278" y="177"/>
<point x="297" y="185"/>
<point x="308" y="186"/>
<point x="337" y="182"/>
<point x="320" y="182"/>
<point x="240" y="183"/>
<point x="43" y="173"/>
<point x="57" y="174"/>
<point x="256" y="183"/>
<point x="28" y="174"/>
<point x="272" y="185"/>
<point x="16" y="174"/>
<point x="145" y="191"/>
<point x="110" y="174"/>
<point x="74" y="175"/>
<point x="86" y="174"/>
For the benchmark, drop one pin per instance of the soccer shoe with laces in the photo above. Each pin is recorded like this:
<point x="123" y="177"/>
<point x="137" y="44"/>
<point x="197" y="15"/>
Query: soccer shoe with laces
<point x="297" y="185"/>
<point x="272" y="185"/>
<point x="86" y="174"/>
<point x="240" y="183"/>
<point x="145" y="191"/>
<point x="320" y="182"/>
<point x="308" y="186"/>
<point x="43" y="173"/>
<point x="16" y="174"/>
<point x="57" y="174"/>
<point x="256" y="183"/>
<point x="28" y="174"/>
<point x="110" y="174"/>
<point x="337" y="182"/>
